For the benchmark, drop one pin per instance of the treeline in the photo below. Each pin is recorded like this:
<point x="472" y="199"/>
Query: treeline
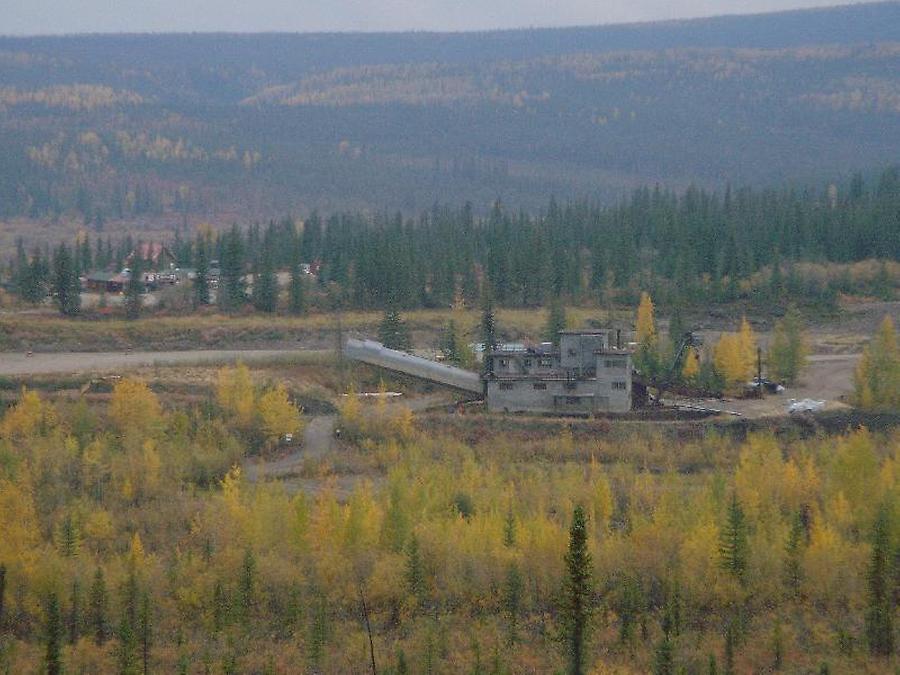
<point x="690" y="247"/>
<point x="687" y="248"/>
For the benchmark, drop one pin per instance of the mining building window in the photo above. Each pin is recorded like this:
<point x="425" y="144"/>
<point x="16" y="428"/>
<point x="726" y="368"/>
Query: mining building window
<point x="506" y="386"/>
<point x="572" y="400"/>
<point x="503" y="363"/>
<point x="528" y="363"/>
<point x="545" y="363"/>
<point x="571" y="385"/>
<point x="614" y="363"/>
<point x="540" y="385"/>
<point x="619" y="385"/>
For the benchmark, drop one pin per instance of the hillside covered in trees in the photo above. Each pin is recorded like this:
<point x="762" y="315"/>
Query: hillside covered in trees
<point x="111" y="128"/>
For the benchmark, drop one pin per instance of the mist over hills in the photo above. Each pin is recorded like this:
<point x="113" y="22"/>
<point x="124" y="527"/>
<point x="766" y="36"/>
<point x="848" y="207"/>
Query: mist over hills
<point x="121" y="126"/>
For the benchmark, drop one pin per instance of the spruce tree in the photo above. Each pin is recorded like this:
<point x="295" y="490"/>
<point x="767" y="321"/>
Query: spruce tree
<point x="730" y="639"/>
<point x="450" y="343"/>
<point x="880" y="610"/>
<point x="35" y="279"/>
<point x="75" y="612"/>
<point x="509" y="529"/>
<point x="66" y="287"/>
<point x="793" y="568"/>
<point x="576" y="608"/>
<point x="556" y="322"/>
<point x="2" y="593"/>
<point x="733" y="541"/>
<point x="265" y="285"/>
<point x="393" y="332"/>
<point x="415" y="570"/>
<point x="488" y="331"/>
<point x="98" y="607"/>
<point x="231" y="292"/>
<point x="53" y="636"/>
<point x="201" y="272"/>
<point x="297" y="292"/>
<point x="664" y="657"/>
<point x="777" y="647"/>
<point x="134" y="289"/>
<point x="512" y="601"/>
<point x="145" y="629"/>
<point x="247" y="587"/>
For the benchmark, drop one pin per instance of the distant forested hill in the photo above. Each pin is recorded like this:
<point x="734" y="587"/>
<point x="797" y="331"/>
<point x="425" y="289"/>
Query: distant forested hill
<point x="124" y="126"/>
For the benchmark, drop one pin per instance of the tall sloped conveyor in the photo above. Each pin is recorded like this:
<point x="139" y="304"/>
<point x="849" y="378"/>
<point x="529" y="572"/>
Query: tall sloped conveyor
<point x="376" y="354"/>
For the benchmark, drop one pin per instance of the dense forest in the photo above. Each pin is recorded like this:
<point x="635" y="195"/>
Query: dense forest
<point x="772" y="246"/>
<point x="174" y="128"/>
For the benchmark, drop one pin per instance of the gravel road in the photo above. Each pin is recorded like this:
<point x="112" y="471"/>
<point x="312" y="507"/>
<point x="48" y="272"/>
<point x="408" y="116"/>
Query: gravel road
<point x="92" y="362"/>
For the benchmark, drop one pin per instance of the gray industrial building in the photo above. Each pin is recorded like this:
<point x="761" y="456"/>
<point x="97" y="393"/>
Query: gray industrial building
<point x="588" y="373"/>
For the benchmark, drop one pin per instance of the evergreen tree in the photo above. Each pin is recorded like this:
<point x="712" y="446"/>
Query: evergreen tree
<point x="34" y="279"/>
<point x="730" y="640"/>
<point x="733" y="541"/>
<point x="66" y="287"/>
<point x="201" y="272"/>
<point x="297" y="292"/>
<point x="556" y="322"/>
<point x="75" y="612"/>
<point x="451" y="345"/>
<point x="509" y="529"/>
<point x="98" y="607"/>
<point x="777" y="647"/>
<point x="393" y="332"/>
<point x="576" y="609"/>
<point x="881" y="608"/>
<point x="630" y="607"/>
<point x="20" y="269"/>
<point x="265" y="285"/>
<point x="220" y="606"/>
<point x="134" y="289"/>
<point x="318" y="632"/>
<point x="664" y="658"/>
<point x="488" y="331"/>
<point x="793" y="568"/>
<point x="415" y="570"/>
<point x="231" y="293"/>
<point x="126" y="650"/>
<point x="2" y="593"/>
<point x="512" y="601"/>
<point x="145" y="629"/>
<point x="247" y="587"/>
<point x="54" y="636"/>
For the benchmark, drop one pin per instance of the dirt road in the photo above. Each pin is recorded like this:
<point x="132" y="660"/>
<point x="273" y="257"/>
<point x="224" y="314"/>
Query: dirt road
<point x="828" y="377"/>
<point x="18" y="364"/>
<point x="318" y="441"/>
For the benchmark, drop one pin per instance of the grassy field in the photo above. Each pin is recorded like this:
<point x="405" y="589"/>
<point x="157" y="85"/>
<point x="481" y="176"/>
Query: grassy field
<point x="48" y="332"/>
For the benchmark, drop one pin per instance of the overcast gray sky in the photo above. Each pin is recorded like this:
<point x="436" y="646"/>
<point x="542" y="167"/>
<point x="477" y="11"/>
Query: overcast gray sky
<point x="80" y="16"/>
